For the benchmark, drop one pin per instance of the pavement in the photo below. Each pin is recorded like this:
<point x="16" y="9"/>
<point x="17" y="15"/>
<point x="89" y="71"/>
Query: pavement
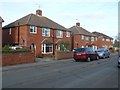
<point x="39" y="62"/>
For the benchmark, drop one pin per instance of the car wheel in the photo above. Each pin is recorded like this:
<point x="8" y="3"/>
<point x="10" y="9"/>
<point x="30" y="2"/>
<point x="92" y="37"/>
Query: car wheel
<point x="88" y="59"/>
<point x="103" y="56"/>
<point x="77" y="60"/>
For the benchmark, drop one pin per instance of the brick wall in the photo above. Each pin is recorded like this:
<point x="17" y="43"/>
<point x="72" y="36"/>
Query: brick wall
<point x="63" y="55"/>
<point x="17" y="58"/>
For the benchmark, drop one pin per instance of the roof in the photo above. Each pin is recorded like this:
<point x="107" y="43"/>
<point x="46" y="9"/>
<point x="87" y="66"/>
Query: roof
<point x="33" y="19"/>
<point x="47" y="42"/>
<point x="1" y="20"/>
<point x="80" y="30"/>
<point x="101" y="34"/>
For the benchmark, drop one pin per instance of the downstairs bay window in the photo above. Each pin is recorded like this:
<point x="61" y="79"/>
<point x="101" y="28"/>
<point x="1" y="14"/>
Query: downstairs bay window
<point x="47" y="48"/>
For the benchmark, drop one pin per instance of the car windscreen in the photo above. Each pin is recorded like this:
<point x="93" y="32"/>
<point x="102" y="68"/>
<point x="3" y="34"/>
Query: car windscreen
<point x="80" y="50"/>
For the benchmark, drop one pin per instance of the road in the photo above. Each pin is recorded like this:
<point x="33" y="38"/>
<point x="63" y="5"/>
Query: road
<point x="101" y="73"/>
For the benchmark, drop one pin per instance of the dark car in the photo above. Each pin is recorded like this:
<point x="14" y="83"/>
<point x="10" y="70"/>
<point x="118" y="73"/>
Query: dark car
<point x="119" y="62"/>
<point x="103" y="53"/>
<point x="87" y="54"/>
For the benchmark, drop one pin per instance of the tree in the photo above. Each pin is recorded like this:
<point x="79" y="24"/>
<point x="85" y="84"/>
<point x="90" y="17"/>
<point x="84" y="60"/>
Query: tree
<point x="116" y="43"/>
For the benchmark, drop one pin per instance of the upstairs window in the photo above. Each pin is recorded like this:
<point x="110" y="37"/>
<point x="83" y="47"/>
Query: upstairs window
<point x="107" y="40"/>
<point x="82" y="37"/>
<point x="92" y="39"/>
<point x="59" y="34"/>
<point x="96" y="38"/>
<point x="33" y="29"/>
<point x="67" y="34"/>
<point x="103" y="39"/>
<point x="46" y="32"/>
<point x="87" y="38"/>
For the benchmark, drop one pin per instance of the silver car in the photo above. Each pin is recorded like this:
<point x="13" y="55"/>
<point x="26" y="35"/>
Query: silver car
<point x="103" y="53"/>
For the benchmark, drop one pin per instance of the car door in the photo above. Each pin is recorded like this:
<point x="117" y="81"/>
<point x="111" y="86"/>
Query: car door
<point x="88" y="52"/>
<point x="93" y="56"/>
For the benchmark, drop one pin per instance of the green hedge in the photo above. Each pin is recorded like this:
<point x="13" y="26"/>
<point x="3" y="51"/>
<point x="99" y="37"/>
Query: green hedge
<point x="6" y="49"/>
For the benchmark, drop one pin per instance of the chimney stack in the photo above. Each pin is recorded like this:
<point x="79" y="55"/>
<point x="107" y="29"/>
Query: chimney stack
<point x="78" y="24"/>
<point x="39" y="12"/>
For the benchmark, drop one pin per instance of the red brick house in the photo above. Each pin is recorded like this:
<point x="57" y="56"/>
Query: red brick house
<point x="38" y="32"/>
<point x="103" y="40"/>
<point x="82" y="37"/>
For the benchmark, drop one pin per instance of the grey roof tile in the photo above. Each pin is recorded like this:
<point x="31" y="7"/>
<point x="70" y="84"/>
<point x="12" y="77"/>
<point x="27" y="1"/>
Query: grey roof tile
<point x="80" y="30"/>
<point x="40" y="21"/>
<point x="101" y="34"/>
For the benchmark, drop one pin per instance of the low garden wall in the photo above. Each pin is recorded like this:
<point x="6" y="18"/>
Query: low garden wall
<point x="63" y="55"/>
<point x="17" y="58"/>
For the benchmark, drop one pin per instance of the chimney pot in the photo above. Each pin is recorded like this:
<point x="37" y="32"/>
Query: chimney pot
<point x="78" y="24"/>
<point x="39" y="12"/>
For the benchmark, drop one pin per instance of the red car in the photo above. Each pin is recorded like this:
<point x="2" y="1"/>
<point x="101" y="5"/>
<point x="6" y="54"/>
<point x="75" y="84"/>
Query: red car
<point x="87" y="54"/>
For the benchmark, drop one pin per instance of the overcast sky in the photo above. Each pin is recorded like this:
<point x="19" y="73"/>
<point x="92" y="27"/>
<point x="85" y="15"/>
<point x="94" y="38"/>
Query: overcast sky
<point x="93" y="15"/>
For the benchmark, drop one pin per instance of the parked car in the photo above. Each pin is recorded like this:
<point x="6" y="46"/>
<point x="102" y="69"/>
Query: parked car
<point x="119" y="62"/>
<point x="16" y="47"/>
<point x="87" y="54"/>
<point x="103" y="53"/>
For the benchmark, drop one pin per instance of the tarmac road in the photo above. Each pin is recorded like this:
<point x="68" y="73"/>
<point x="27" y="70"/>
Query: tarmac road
<point x="101" y="73"/>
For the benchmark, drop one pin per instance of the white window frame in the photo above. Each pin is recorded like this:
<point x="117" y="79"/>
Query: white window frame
<point x="92" y="39"/>
<point x="82" y="46"/>
<point x="67" y="34"/>
<point x="87" y="38"/>
<point x="44" y="47"/>
<point x="10" y="31"/>
<point x="108" y="40"/>
<point x="103" y="39"/>
<point x="46" y="32"/>
<point x="34" y="31"/>
<point x="82" y="37"/>
<point x="59" y="35"/>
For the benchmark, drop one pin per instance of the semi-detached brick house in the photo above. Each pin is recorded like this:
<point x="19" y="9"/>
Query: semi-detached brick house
<point x="82" y="37"/>
<point x="35" y="30"/>
<point x="104" y="40"/>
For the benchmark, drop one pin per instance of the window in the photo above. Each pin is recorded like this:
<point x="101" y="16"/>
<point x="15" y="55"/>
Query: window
<point x="67" y="34"/>
<point x="10" y="32"/>
<point x="47" y="48"/>
<point x="59" y="34"/>
<point x="107" y="40"/>
<point x="111" y="40"/>
<point x="46" y="32"/>
<point x="82" y="37"/>
<point x="87" y="38"/>
<point x="82" y="47"/>
<point x="103" y="39"/>
<point x="33" y="29"/>
<point x="96" y="38"/>
<point x="92" y="39"/>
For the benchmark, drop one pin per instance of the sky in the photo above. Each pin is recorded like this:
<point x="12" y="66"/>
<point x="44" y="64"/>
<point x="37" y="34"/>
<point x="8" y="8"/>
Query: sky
<point x="93" y="15"/>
